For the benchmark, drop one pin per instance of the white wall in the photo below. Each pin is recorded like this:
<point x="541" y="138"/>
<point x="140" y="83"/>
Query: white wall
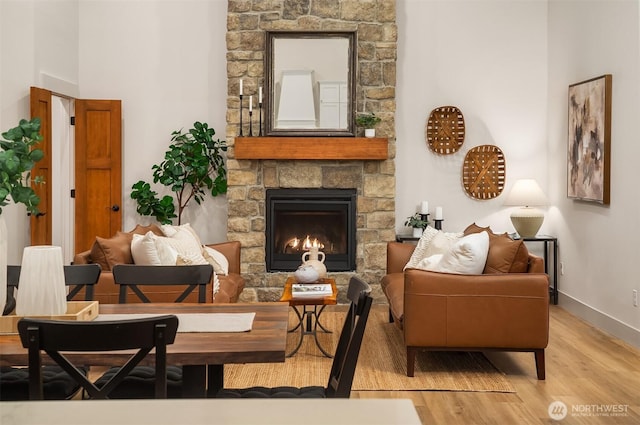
<point x="507" y="66"/>
<point x="30" y="33"/>
<point x="586" y="40"/>
<point x="166" y="61"/>
<point x="488" y="58"/>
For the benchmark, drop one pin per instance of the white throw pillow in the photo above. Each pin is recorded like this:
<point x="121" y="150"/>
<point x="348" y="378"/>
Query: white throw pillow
<point x="152" y="250"/>
<point x="441" y="243"/>
<point x="423" y="248"/>
<point x="188" y="244"/>
<point x="167" y="251"/>
<point x="217" y="260"/>
<point x="467" y="256"/>
<point x="143" y="250"/>
<point x="429" y="263"/>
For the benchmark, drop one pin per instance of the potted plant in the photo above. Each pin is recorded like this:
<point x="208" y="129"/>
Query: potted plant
<point x="193" y="165"/>
<point x="368" y="122"/>
<point x="418" y="223"/>
<point x="17" y="158"/>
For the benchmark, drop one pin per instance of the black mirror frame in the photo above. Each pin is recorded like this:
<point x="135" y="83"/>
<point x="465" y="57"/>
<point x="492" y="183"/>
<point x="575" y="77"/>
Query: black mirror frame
<point x="270" y="129"/>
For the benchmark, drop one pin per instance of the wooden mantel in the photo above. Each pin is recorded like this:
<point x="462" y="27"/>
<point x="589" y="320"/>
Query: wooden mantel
<point x="319" y="148"/>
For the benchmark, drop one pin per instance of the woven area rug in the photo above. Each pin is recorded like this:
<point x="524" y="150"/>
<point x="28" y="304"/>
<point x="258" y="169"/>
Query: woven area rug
<point x="381" y="365"/>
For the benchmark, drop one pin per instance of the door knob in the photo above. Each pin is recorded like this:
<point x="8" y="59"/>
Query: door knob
<point x="115" y="208"/>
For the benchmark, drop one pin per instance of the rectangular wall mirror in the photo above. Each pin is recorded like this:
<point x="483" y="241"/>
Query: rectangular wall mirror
<point x="310" y="83"/>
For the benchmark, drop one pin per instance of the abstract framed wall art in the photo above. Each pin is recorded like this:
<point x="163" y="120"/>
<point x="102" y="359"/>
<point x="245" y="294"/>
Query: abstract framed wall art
<point x="589" y="140"/>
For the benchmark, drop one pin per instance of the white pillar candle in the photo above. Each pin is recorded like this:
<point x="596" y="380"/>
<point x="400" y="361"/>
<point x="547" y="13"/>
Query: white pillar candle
<point x="424" y="209"/>
<point x="260" y="95"/>
<point x="250" y="103"/>
<point x="438" y="213"/>
<point x="240" y="87"/>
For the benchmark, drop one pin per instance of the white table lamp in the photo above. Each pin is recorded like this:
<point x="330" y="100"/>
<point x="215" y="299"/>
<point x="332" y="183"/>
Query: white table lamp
<point x="526" y="194"/>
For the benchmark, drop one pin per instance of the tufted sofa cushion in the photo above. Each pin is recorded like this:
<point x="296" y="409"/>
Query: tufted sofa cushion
<point x="277" y="392"/>
<point x="140" y="383"/>
<point x="56" y="383"/>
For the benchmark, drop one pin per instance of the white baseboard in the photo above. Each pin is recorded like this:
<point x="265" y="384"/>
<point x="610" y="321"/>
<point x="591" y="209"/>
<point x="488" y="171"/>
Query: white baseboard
<point x="600" y="320"/>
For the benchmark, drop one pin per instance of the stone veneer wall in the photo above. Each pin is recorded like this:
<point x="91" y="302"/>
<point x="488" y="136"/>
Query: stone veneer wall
<point x="375" y="22"/>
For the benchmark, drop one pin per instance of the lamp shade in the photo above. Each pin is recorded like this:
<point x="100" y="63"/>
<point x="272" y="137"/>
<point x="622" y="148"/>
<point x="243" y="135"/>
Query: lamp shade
<point x="526" y="193"/>
<point x="41" y="289"/>
<point x="526" y="220"/>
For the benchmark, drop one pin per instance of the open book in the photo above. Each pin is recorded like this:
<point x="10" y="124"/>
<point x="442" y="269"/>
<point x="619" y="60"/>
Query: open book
<point x="311" y="290"/>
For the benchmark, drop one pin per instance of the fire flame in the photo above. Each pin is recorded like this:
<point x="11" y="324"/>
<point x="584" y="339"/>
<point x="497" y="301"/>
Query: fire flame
<point x="305" y="244"/>
<point x="315" y="243"/>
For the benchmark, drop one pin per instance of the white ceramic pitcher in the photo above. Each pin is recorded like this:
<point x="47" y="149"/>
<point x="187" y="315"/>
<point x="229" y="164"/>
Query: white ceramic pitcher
<point x="315" y="259"/>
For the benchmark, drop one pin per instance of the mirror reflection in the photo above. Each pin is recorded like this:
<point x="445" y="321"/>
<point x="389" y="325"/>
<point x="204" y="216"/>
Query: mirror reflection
<point x="310" y="82"/>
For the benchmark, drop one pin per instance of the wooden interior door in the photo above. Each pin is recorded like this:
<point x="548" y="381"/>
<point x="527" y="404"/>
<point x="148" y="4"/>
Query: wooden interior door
<point x="98" y="174"/>
<point x="98" y="170"/>
<point x="40" y="105"/>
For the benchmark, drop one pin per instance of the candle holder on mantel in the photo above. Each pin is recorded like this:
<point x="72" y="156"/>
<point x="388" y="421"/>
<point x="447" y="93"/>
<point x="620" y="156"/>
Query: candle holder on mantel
<point x="250" y="123"/>
<point x="240" y="115"/>
<point x="438" y="224"/>
<point x="260" y="121"/>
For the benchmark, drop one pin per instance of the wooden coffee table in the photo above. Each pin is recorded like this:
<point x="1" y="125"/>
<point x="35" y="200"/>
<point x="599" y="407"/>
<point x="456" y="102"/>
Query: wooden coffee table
<point x="311" y="310"/>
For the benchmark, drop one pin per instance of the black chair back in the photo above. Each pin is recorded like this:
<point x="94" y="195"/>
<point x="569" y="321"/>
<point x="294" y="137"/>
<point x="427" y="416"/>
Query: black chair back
<point x="132" y="276"/>
<point x="76" y="277"/>
<point x="348" y="350"/>
<point x="56" y="336"/>
<point x="344" y="361"/>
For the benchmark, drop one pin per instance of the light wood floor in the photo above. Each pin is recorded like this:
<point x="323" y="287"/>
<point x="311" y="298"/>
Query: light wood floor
<point x="585" y="368"/>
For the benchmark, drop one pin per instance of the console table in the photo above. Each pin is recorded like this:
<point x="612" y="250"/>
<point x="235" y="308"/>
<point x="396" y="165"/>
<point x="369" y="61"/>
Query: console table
<point x="547" y="241"/>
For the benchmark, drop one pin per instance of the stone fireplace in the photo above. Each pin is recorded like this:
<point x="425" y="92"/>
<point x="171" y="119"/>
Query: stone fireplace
<point x="372" y="181"/>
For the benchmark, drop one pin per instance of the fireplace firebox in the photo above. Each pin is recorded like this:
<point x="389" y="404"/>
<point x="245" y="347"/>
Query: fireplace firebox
<point x="297" y="219"/>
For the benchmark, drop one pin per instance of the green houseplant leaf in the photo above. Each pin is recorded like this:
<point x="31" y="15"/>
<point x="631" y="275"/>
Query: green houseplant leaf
<point x="416" y="221"/>
<point x="369" y="120"/>
<point x="193" y="167"/>
<point x="18" y="156"/>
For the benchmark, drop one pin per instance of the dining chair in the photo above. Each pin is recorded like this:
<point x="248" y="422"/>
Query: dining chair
<point x="139" y="382"/>
<point x="57" y="384"/>
<point x="132" y="276"/>
<point x="344" y="360"/>
<point x="57" y="336"/>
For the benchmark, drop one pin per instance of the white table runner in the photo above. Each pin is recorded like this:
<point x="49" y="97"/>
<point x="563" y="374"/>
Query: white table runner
<point x="198" y="322"/>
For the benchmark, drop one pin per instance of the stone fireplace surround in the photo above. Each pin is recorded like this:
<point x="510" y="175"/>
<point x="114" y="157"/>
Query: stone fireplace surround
<point x="374" y="180"/>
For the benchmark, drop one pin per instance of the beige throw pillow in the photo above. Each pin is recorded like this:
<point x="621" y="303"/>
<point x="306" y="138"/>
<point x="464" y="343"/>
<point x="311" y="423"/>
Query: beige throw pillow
<point x="217" y="260"/>
<point x="190" y="248"/>
<point x="440" y="240"/>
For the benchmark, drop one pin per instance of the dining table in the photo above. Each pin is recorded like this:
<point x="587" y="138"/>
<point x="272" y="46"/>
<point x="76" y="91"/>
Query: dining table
<point x="201" y="354"/>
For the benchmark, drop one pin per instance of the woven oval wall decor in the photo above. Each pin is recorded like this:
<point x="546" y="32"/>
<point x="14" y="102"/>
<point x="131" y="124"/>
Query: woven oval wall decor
<point x="483" y="172"/>
<point x="445" y="130"/>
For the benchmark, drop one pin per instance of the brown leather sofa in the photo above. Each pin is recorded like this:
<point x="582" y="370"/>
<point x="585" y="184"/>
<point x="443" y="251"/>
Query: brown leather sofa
<point x="106" y="291"/>
<point x="455" y="312"/>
